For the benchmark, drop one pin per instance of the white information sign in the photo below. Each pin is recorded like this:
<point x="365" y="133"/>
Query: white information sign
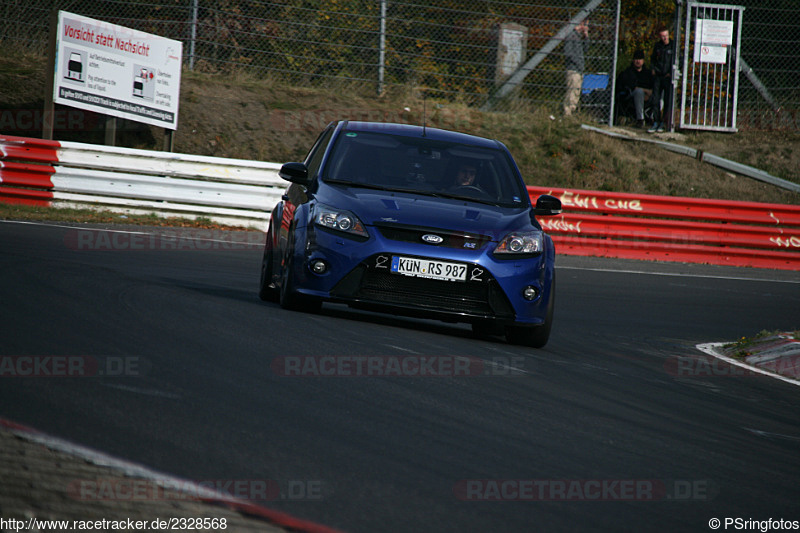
<point x="117" y="71"/>
<point x="711" y="54"/>
<point x="714" y="32"/>
<point x="711" y="40"/>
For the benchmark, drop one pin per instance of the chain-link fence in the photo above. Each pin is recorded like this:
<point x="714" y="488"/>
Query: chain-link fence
<point x="769" y="92"/>
<point x="448" y="47"/>
<point x="455" y="49"/>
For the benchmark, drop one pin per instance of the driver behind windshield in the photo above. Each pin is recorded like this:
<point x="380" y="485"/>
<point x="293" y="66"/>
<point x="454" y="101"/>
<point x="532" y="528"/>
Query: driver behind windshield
<point x="465" y="176"/>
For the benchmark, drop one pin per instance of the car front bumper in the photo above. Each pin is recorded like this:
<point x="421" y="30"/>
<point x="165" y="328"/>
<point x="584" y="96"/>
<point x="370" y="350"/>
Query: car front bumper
<point x="358" y="273"/>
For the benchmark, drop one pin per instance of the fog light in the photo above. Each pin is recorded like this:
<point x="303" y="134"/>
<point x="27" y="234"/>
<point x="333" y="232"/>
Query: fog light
<point x="530" y="293"/>
<point x="318" y="266"/>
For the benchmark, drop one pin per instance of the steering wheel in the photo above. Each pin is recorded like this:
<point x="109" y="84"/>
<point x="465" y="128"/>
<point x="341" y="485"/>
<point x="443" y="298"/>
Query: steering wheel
<point x="472" y="188"/>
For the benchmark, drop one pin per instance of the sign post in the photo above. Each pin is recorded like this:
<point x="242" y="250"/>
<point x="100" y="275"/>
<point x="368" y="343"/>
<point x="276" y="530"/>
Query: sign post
<point x="49" y="111"/>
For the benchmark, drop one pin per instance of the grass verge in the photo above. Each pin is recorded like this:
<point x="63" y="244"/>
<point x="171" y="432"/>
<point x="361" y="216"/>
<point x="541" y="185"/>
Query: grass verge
<point x="93" y="216"/>
<point x="746" y="346"/>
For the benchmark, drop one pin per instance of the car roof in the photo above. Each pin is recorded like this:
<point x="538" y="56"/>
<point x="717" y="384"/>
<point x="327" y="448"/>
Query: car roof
<point x="408" y="130"/>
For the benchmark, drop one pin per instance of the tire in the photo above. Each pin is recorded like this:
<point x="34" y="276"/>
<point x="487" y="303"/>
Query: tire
<point x="535" y="336"/>
<point x="267" y="290"/>
<point x="289" y="298"/>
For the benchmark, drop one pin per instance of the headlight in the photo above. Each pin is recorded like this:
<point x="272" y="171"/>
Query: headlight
<point x="338" y="219"/>
<point x="522" y="242"/>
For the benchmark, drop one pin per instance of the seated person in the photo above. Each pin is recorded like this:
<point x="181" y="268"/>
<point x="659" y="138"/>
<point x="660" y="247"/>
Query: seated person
<point x="635" y="84"/>
<point x="465" y="176"/>
<point x="465" y="181"/>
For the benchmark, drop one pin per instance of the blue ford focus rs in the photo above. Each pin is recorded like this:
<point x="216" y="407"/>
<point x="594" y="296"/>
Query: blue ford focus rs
<point x="415" y="221"/>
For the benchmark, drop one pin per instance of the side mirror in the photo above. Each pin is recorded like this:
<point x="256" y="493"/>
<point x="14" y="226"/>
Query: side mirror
<point x="294" y="172"/>
<point x="547" y="206"/>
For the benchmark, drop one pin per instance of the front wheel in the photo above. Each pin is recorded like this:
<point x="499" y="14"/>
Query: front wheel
<point x="289" y="298"/>
<point x="535" y="337"/>
<point x="267" y="291"/>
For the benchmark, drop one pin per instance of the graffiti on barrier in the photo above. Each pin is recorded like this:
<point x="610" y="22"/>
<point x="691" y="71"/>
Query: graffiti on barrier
<point x="788" y="242"/>
<point x="560" y="224"/>
<point x="572" y="199"/>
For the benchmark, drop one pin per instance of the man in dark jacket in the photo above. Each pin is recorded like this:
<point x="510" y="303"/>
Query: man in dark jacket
<point x="635" y="84"/>
<point x="661" y="61"/>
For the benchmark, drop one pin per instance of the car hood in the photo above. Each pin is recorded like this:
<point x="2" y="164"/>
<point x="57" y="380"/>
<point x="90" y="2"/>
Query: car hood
<point x="385" y="207"/>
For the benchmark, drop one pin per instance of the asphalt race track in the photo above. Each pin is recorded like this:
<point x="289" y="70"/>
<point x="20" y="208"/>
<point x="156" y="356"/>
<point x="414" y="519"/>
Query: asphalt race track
<point x="612" y="427"/>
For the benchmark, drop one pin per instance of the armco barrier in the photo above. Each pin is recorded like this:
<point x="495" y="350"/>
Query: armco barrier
<point x="35" y="171"/>
<point x="594" y="223"/>
<point x="668" y="228"/>
<point x="22" y="180"/>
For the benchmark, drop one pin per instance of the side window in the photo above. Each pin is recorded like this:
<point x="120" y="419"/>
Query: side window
<point x="314" y="158"/>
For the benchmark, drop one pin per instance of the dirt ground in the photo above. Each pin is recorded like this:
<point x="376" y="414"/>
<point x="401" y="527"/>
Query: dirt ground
<point x="42" y="483"/>
<point x="242" y="116"/>
<point x="260" y="120"/>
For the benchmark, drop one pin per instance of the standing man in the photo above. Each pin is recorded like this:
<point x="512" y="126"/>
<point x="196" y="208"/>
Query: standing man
<point x="575" y="46"/>
<point x="661" y="61"/>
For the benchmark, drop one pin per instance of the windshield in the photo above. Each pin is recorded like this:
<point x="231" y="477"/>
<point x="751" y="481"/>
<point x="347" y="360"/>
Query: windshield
<point x="425" y="166"/>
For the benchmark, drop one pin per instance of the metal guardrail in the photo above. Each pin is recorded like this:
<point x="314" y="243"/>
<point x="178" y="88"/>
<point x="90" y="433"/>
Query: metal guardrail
<point x="668" y="228"/>
<point x="36" y="171"/>
<point x="706" y="157"/>
<point x="595" y="223"/>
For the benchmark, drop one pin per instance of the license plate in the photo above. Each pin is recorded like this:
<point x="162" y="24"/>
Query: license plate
<point x="428" y="268"/>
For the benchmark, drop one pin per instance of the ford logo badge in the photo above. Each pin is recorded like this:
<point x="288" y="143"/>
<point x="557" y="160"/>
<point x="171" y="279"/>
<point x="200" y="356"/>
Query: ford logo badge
<point x="432" y="239"/>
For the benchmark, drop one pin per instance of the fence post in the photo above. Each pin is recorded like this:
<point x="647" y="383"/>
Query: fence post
<point x="613" y="80"/>
<point x="194" y="34"/>
<point x="382" y="48"/>
<point x="676" y="64"/>
<point x="49" y="111"/>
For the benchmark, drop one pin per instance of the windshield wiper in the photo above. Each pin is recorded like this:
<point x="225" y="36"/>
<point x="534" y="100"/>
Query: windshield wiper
<point x="468" y="199"/>
<point x="359" y="184"/>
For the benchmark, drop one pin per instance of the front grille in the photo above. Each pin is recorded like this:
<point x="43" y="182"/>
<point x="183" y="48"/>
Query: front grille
<point x="451" y="239"/>
<point x="368" y="284"/>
